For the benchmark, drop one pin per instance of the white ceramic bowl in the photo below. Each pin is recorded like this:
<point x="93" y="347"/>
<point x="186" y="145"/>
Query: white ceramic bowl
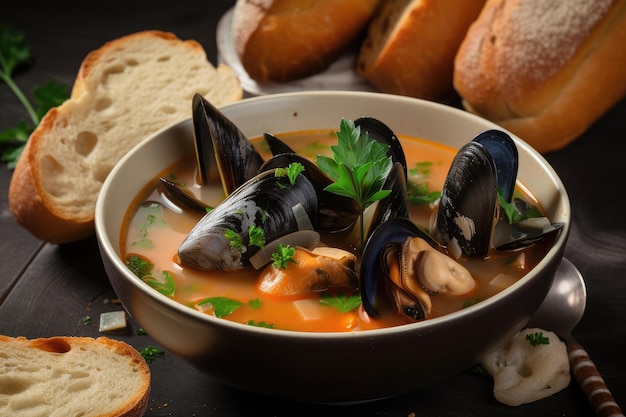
<point x="370" y="364"/>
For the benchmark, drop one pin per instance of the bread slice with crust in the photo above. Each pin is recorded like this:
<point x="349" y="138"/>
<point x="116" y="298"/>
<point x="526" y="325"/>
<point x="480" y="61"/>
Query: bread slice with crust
<point x="72" y="376"/>
<point x="126" y="90"/>
<point x="411" y="44"/>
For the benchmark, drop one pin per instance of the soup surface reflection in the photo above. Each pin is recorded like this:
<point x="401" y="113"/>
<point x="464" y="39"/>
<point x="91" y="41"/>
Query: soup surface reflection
<point x="154" y="229"/>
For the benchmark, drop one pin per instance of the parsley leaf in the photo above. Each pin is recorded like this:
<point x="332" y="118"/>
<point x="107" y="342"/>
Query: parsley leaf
<point x="222" y="306"/>
<point x="260" y="324"/>
<point x="341" y="301"/>
<point x="359" y="167"/>
<point x="149" y="353"/>
<point x="139" y="266"/>
<point x="165" y="287"/>
<point x="536" y="339"/>
<point x="283" y="255"/>
<point x="292" y="171"/>
<point x="235" y="239"/>
<point x="13" y="54"/>
<point x="256" y="236"/>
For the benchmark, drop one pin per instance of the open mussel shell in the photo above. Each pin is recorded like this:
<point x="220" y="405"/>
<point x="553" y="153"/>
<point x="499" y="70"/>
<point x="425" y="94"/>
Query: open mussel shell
<point x="388" y="236"/>
<point x="221" y="147"/>
<point x="181" y="197"/>
<point x="335" y="212"/>
<point x="468" y="207"/>
<point x="276" y="145"/>
<point x="396" y="204"/>
<point x="504" y="154"/>
<point x="266" y="202"/>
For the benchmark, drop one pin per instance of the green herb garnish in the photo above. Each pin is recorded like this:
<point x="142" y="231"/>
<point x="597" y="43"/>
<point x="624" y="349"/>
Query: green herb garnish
<point x="167" y="286"/>
<point x="283" y="255"/>
<point x="260" y="324"/>
<point x="417" y="184"/>
<point x="13" y="54"/>
<point x="255" y="303"/>
<point x="222" y="306"/>
<point x="341" y="301"/>
<point x="359" y="167"/>
<point x="513" y="215"/>
<point x="235" y="239"/>
<point x="149" y="353"/>
<point x="86" y="320"/>
<point x="139" y="266"/>
<point x="256" y="236"/>
<point x="292" y="171"/>
<point x="536" y="339"/>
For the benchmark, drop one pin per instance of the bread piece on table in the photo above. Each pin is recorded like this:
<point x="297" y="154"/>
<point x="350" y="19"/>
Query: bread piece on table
<point x="545" y="70"/>
<point x="411" y="44"/>
<point x="285" y="40"/>
<point x="126" y="90"/>
<point x="72" y="376"/>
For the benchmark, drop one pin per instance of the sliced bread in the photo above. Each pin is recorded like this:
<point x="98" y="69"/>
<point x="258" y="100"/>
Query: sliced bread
<point x="126" y="90"/>
<point x="411" y="44"/>
<point x="72" y="376"/>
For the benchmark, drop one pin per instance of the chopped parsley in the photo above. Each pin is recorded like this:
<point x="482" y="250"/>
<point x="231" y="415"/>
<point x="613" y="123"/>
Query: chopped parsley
<point x="292" y="171"/>
<point x="283" y="255"/>
<point x="166" y="286"/>
<point x="417" y="184"/>
<point x="256" y="236"/>
<point x="149" y="353"/>
<point x="341" y="301"/>
<point x="139" y="266"/>
<point x="235" y="239"/>
<point x="260" y="324"/>
<point x="537" y="338"/>
<point x="255" y="303"/>
<point x="222" y="306"/>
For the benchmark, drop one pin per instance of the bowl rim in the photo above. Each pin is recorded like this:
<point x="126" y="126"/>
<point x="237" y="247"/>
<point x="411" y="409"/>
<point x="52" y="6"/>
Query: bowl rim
<point x="107" y="248"/>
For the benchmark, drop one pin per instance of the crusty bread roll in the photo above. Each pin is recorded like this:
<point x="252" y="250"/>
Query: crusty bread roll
<point x="411" y="44"/>
<point x="284" y="40"/>
<point x="545" y="70"/>
<point x="72" y="376"/>
<point x="125" y="90"/>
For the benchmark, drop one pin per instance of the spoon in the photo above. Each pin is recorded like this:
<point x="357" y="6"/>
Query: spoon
<point x="560" y="312"/>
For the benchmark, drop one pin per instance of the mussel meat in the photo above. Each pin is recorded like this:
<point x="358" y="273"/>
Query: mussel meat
<point x="312" y="270"/>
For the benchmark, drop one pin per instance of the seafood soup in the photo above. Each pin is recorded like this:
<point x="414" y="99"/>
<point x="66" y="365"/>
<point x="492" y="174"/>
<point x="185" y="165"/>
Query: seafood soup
<point x="155" y="228"/>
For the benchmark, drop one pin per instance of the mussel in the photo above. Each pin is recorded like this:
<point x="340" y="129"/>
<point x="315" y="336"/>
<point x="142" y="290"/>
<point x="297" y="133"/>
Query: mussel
<point x="222" y="149"/>
<point x="403" y="264"/>
<point x="468" y="218"/>
<point x="399" y="255"/>
<point x="265" y="204"/>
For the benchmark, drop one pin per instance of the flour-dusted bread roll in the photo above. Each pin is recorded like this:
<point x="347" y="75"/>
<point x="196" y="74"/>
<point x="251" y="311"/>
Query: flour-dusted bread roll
<point x="411" y="44"/>
<point x="126" y="90"/>
<point x="72" y="376"/>
<point x="285" y="40"/>
<point x="545" y="70"/>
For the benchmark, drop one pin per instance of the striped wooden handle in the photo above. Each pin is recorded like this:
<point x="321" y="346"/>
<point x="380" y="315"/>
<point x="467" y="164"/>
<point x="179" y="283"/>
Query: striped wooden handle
<point x="591" y="382"/>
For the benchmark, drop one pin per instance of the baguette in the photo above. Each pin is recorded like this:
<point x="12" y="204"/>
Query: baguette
<point x="411" y="44"/>
<point x="72" y="376"/>
<point x="124" y="91"/>
<point x="545" y="70"/>
<point x="285" y="40"/>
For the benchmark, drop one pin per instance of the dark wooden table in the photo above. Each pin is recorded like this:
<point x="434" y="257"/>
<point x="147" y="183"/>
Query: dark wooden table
<point x="47" y="290"/>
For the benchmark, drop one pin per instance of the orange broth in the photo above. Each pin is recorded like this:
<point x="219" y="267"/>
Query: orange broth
<point x="157" y="240"/>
